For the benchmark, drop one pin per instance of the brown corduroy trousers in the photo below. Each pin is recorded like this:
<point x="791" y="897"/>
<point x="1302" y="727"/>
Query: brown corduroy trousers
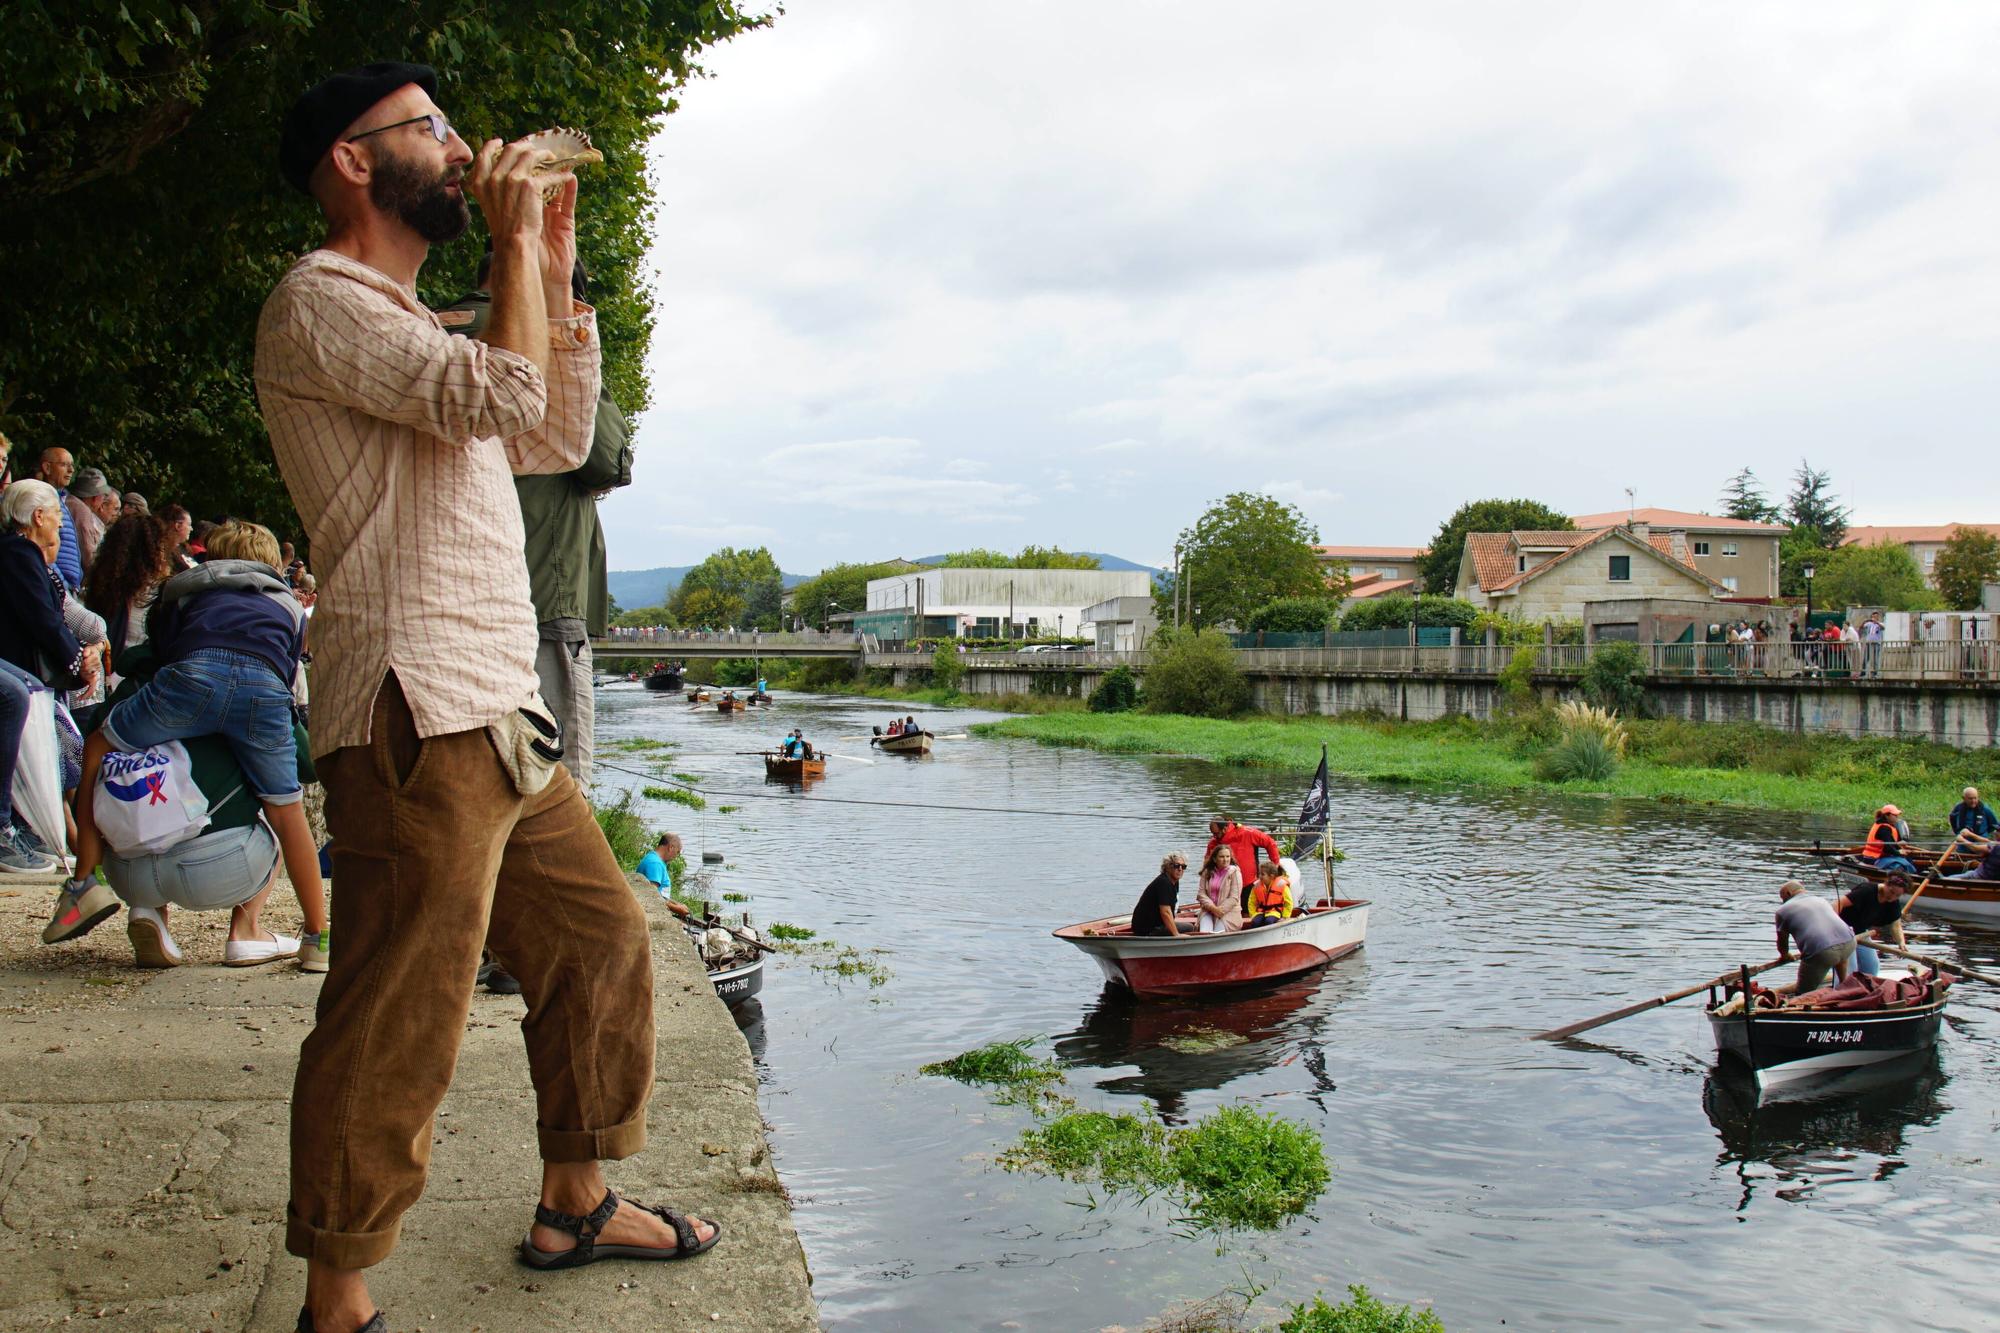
<point x="434" y="855"/>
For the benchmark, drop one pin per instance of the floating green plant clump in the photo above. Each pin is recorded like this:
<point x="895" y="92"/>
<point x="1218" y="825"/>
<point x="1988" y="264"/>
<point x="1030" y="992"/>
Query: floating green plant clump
<point x="1233" y="1168"/>
<point x="1361" y="1312"/>
<point x="781" y="930"/>
<point x="736" y="897"/>
<point x="1245" y="1168"/>
<point x="634" y="744"/>
<point x="1000" y="1062"/>
<point x="677" y="795"/>
<point x="687" y="777"/>
<point x="847" y="962"/>
<point x="1196" y="1040"/>
<point x="727" y="809"/>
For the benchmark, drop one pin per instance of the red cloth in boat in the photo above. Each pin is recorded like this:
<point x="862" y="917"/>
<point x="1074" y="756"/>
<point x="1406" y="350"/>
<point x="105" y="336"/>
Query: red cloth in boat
<point x="1860" y="992"/>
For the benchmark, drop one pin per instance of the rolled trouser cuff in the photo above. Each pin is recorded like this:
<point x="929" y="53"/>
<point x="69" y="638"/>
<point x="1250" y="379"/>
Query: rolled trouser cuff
<point x="592" y="1145"/>
<point x="341" y="1249"/>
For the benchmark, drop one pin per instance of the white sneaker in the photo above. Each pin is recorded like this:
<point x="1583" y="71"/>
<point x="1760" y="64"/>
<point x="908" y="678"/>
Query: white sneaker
<point x="152" y="944"/>
<point x="251" y="953"/>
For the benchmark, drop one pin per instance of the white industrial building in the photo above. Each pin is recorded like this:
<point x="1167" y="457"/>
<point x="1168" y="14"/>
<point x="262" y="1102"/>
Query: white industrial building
<point x="993" y="603"/>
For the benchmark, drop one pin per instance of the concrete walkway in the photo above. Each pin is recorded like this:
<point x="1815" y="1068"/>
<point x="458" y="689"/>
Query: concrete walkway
<point x="143" y="1150"/>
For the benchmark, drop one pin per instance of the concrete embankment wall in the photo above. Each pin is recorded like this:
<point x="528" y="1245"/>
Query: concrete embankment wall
<point x="1950" y="713"/>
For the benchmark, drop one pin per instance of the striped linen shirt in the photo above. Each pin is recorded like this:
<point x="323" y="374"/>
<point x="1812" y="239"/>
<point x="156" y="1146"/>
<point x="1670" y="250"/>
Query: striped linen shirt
<point x="398" y="443"/>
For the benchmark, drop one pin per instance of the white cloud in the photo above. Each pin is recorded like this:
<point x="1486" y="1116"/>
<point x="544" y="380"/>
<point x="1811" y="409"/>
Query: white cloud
<point x="1298" y="493"/>
<point x="1438" y="250"/>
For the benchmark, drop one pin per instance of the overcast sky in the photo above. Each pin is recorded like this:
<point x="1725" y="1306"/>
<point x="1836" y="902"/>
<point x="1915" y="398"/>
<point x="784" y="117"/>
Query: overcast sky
<point x="933" y="275"/>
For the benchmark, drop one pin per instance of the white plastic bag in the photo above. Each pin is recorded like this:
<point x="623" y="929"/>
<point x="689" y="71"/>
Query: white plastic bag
<point x="38" y="775"/>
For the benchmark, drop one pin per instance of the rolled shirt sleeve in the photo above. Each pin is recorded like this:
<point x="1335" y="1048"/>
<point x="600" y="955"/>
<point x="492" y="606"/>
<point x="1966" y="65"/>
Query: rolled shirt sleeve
<point x="560" y="441"/>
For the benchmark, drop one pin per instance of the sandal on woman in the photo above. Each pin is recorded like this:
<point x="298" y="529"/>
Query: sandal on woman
<point x="587" y="1229"/>
<point x="379" y="1324"/>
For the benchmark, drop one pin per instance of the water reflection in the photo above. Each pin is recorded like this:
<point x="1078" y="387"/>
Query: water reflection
<point x="1180" y="1046"/>
<point x="1848" y="1126"/>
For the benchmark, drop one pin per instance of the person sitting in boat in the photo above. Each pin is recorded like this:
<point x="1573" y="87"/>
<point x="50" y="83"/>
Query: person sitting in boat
<point x="1270" y="896"/>
<point x="1244" y="843"/>
<point x="1154" y="912"/>
<point x="1973" y="820"/>
<point x="1877" y="908"/>
<point x="895" y="728"/>
<point x="910" y="727"/>
<point x="1826" y="943"/>
<point x="1988" y="867"/>
<point x="792" y="744"/>
<point x="1884" y="848"/>
<point x="1218" y="893"/>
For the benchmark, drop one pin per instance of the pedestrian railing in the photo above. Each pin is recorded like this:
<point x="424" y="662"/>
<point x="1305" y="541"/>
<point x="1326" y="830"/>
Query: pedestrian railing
<point x="1925" y="660"/>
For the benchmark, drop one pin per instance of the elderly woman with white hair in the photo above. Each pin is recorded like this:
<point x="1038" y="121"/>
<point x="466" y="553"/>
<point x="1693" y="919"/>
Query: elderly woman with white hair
<point x="35" y="643"/>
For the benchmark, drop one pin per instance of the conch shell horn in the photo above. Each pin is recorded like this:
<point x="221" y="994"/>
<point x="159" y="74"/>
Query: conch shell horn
<point x="564" y="150"/>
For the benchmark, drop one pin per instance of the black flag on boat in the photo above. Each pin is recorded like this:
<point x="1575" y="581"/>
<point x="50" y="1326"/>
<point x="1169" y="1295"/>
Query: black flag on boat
<point x="1312" y="815"/>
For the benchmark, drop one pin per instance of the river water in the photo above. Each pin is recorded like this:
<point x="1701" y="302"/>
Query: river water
<point x="1615" y="1182"/>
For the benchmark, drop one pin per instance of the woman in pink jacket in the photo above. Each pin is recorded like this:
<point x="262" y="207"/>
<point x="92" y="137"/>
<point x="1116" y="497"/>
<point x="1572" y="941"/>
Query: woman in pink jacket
<point x="1219" y="892"/>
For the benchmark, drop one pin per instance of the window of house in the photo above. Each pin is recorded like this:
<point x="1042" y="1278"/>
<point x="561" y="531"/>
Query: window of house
<point x="1520" y="564"/>
<point x="1730" y="583"/>
<point x="1930" y="558"/>
<point x="1701" y="548"/>
<point x="1621" y="569"/>
<point x="1729" y="548"/>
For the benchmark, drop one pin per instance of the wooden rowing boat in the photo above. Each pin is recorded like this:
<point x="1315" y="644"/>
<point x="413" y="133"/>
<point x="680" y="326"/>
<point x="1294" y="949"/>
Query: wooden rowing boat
<point x="1782" y="1046"/>
<point x="910" y="742"/>
<point x="697" y="696"/>
<point x="778" y="768"/>
<point x="1192" y="964"/>
<point x="1967" y="899"/>
<point x="730" y="705"/>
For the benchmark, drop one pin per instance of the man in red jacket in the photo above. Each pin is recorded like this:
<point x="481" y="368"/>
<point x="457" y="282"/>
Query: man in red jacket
<point x="1243" y="842"/>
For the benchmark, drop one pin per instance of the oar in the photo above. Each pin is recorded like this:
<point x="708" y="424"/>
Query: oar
<point x="1558" y="1034"/>
<point x="1936" y="963"/>
<point x="1911" y="901"/>
<point x="954" y="736"/>
<point x="850" y="758"/>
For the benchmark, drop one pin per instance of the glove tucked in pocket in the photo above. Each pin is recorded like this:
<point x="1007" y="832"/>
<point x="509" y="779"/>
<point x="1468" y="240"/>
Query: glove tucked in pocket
<point x="530" y="744"/>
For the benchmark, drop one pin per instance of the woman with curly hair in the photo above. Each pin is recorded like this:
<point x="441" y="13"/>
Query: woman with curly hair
<point x="134" y="558"/>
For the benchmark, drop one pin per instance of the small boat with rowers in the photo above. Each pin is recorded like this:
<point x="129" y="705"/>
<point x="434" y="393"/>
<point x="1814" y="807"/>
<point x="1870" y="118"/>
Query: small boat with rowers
<point x="782" y="768"/>
<point x="1191" y="963"/>
<point x="903" y="742"/>
<point x="759" y="697"/>
<point x="698" y="696"/>
<point x="729" y="703"/>
<point x="1863" y="1020"/>
<point x="665" y="676"/>
<point x="1965" y="899"/>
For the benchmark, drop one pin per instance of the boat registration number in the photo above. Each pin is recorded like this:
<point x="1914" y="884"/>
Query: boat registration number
<point x="1834" y="1037"/>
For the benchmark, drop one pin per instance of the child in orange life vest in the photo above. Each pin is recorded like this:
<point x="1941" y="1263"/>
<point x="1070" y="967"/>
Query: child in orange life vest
<point x="1271" y="896"/>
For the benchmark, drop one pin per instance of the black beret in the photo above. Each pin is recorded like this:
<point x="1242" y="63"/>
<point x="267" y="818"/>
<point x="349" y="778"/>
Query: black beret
<point x="334" y="103"/>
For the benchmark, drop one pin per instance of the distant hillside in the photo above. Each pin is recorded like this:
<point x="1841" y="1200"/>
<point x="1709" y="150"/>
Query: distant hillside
<point x="1113" y="563"/>
<point x="633" y="588"/>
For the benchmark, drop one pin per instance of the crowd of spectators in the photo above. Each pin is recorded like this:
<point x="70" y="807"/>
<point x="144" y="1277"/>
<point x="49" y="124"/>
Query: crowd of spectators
<point x="82" y="566"/>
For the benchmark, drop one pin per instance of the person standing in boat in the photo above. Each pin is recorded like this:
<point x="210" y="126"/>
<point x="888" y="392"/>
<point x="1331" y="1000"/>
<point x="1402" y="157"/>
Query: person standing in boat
<point x="1219" y="892"/>
<point x="1826" y="943"/>
<point x="1154" y="912"/>
<point x="1877" y="908"/>
<point x="1270" y="896"/>
<point x="1884" y="848"/>
<point x="1244" y="843"/>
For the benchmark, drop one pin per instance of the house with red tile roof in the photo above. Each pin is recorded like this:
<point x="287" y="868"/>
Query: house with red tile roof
<point x="1740" y="555"/>
<point x="1376" y="571"/>
<point x="1924" y="540"/>
<point x="1550" y="575"/>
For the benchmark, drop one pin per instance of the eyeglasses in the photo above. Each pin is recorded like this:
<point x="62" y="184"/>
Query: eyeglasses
<point x="440" y="127"/>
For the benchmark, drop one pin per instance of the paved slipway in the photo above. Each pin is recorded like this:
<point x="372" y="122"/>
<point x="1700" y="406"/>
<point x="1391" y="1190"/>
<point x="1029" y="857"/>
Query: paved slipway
<point x="143" y="1146"/>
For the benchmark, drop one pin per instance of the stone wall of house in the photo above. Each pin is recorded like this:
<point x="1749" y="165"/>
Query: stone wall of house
<point x="1561" y="592"/>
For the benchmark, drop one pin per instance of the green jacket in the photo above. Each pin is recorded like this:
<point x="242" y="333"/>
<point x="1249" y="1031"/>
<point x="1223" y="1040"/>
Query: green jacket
<point x="565" y="552"/>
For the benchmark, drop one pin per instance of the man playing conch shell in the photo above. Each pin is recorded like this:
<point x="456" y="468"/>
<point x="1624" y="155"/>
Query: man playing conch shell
<point x="453" y="822"/>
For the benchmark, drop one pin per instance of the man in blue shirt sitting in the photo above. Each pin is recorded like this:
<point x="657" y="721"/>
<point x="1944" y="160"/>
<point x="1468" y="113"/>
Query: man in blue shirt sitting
<point x="1974" y="816"/>
<point x="654" y="864"/>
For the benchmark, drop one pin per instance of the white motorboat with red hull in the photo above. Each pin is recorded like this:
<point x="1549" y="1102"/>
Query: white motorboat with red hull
<point x="1191" y="964"/>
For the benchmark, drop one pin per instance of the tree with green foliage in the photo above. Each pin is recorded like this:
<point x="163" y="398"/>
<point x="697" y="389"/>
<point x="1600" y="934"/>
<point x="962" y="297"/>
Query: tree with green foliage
<point x="946" y="668"/>
<point x="1248" y="549"/>
<point x="145" y="222"/>
<point x="1812" y="507"/>
<point x="748" y="581"/>
<point x="1295" y="615"/>
<point x="1743" y="497"/>
<point x="1614" y="677"/>
<point x="1969" y="561"/>
<point x="1884" y="575"/>
<point x="1195" y="672"/>
<point x="1031" y="557"/>
<point x="1440" y="563"/>
<point x="838" y="587"/>
<point x="1399" y="609"/>
<point x="1116" y="692"/>
<point x="645" y="617"/>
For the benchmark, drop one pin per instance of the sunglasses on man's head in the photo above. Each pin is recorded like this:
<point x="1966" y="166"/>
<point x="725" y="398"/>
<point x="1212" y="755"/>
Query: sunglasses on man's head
<point x="440" y="127"/>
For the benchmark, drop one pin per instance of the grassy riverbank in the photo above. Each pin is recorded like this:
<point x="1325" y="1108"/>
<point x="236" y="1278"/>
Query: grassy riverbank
<point x="1714" y="764"/>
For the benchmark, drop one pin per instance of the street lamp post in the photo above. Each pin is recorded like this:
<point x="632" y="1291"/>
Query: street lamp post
<point x="827" y="624"/>
<point x="1808" y="570"/>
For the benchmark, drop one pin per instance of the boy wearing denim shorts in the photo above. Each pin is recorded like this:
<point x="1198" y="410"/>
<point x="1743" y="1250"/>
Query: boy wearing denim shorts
<point x="228" y="635"/>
